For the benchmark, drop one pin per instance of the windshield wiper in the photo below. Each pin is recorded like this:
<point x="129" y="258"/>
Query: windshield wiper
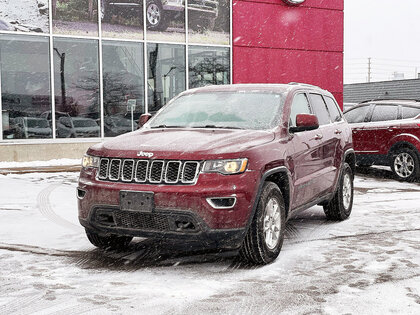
<point x="166" y="126"/>
<point x="216" y="127"/>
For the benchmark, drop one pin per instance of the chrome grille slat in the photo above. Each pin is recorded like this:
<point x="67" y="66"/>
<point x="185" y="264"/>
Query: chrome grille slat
<point x="141" y="171"/>
<point x="127" y="170"/>
<point x="149" y="171"/>
<point x="173" y="169"/>
<point x="114" y="169"/>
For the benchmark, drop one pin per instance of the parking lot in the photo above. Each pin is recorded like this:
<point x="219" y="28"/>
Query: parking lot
<point x="367" y="264"/>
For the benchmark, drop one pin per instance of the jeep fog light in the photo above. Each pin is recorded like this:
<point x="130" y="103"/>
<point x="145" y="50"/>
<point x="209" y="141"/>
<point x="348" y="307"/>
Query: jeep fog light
<point x="226" y="167"/>
<point x="90" y="161"/>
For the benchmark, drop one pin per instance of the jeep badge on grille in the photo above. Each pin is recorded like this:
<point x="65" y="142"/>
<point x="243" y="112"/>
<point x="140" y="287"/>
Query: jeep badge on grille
<point x="145" y="154"/>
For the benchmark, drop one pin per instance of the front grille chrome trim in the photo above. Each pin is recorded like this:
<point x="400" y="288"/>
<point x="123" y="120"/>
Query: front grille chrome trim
<point x="144" y="171"/>
<point x="161" y="171"/>
<point x="197" y="170"/>
<point x="129" y="179"/>
<point x="110" y="170"/>
<point x="136" y="179"/>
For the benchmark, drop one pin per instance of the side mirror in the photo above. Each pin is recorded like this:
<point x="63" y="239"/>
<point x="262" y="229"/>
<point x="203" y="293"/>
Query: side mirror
<point x="143" y="119"/>
<point x="305" y="122"/>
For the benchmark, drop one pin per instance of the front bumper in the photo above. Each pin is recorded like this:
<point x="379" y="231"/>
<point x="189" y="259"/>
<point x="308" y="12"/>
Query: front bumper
<point x="180" y="211"/>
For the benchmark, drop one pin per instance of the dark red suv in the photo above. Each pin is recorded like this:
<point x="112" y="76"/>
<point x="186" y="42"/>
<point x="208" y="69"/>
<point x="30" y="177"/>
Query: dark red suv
<point x="387" y="132"/>
<point x="222" y="165"/>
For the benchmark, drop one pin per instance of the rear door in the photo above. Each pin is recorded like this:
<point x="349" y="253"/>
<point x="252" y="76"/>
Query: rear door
<point x="306" y="156"/>
<point x="357" y="117"/>
<point x="383" y="126"/>
<point x="328" y="143"/>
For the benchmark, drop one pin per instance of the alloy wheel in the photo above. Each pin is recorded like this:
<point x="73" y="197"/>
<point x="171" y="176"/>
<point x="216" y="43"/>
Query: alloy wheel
<point x="347" y="191"/>
<point x="153" y="14"/>
<point x="404" y="165"/>
<point x="272" y="223"/>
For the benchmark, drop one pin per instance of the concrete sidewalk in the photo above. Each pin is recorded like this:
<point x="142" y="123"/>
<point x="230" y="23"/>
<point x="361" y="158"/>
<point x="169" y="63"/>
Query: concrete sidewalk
<point x="40" y="169"/>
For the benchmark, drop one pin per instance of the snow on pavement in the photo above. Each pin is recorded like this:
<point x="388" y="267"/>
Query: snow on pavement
<point x="368" y="264"/>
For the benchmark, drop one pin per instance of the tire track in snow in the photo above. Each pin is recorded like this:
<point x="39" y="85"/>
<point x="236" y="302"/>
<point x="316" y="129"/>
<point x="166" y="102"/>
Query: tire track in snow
<point x="46" y="210"/>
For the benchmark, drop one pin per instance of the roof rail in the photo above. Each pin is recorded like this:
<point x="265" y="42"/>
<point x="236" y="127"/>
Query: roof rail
<point x="304" y="84"/>
<point x="389" y="99"/>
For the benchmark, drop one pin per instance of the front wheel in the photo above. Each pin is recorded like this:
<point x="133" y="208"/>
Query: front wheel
<point x="339" y="208"/>
<point x="110" y="241"/>
<point x="264" y="239"/>
<point x="405" y="164"/>
<point x="156" y="19"/>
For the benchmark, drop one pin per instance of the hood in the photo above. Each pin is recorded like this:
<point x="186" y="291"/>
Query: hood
<point x="183" y="143"/>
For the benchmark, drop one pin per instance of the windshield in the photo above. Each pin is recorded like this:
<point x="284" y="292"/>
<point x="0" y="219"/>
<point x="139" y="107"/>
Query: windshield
<point x="84" y="123"/>
<point x="37" y="123"/>
<point x="242" y="110"/>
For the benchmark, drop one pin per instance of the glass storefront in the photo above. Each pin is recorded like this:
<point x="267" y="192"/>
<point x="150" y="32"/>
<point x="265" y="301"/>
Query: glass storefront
<point x="105" y="62"/>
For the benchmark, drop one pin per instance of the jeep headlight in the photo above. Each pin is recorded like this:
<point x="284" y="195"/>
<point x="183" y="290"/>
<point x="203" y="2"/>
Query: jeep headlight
<point x="89" y="161"/>
<point x="226" y="167"/>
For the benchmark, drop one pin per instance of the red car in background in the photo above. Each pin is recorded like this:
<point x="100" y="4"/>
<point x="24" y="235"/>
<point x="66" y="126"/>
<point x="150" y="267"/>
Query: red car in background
<point x="387" y="132"/>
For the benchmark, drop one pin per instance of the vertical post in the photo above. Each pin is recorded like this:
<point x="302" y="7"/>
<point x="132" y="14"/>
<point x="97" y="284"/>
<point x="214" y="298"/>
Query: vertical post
<point x="101" y="78"/>
<point x="187" y="67"/>
<point x="146" y="66"/>
<point x="369" y="69"/>
<point x="52" y="12"/>
<point x="1" y="106"/>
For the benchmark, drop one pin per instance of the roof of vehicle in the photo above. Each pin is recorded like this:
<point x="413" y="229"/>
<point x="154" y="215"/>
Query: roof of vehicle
<point x="279" y="88"/>
<point x="392" y="101"/>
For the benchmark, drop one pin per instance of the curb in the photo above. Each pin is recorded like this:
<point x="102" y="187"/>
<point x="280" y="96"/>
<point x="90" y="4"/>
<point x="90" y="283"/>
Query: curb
<point x="40" y="169"/>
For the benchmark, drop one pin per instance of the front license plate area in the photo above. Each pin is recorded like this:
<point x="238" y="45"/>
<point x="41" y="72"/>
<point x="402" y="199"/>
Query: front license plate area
<point x="137" y="201"/>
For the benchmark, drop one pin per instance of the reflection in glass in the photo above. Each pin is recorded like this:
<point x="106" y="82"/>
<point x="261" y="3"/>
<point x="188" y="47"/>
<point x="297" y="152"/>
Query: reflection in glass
<point x="76" y="85"/>
<point x="166" y="73"/>
<point x="209" y="21"/>
<point x="122" y="18"/>
<point x="123" y="80"/>
<point x="208" y="66"/>
<point x="25" y="86"/>
<point x="24" y="16"/>
<point x="165" y="20"/>
<point x="75" y="17"/>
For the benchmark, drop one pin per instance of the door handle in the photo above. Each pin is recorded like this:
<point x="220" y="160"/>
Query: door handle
<point x="338" y="132"/>
<point x="391" y="128"/>
<point x="318" y="137"/>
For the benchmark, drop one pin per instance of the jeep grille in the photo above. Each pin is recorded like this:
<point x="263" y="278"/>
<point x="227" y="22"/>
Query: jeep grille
<point x="148" y="171"/>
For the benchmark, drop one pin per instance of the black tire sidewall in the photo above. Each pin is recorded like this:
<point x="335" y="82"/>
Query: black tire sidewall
<point x="270" y="190"/>
<point x="414" y="156"/>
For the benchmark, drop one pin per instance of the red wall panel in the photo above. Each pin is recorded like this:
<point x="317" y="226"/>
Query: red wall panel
<point x="277" y="43"/>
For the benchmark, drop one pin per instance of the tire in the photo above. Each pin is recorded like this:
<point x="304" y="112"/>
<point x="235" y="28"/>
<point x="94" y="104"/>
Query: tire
<point x="110" y="241"/>
<point x="265" y="235"/>
<point x="339" y="208"/>
<point x="156" y="19"/>
<point x="405" y="164"/>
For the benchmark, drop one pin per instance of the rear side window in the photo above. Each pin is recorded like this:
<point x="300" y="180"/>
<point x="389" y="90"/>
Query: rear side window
<point x="333" y="109"/>
<point x="385" y="113"/>
<point x="300" y="105"/>
<point x="320" y="109"/>
<point x="410" y="112"/>
<point x="357" y="115"/>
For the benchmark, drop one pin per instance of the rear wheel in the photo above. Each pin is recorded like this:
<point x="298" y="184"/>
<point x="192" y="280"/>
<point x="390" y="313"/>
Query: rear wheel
<point x="339" y="208"/>
<point x="264" y="239"/>
<point x="110" y="241"/>
<point x="405" y="164"/>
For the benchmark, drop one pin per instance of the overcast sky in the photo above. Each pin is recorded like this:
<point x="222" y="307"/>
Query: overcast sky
<point x="388" y="31"/>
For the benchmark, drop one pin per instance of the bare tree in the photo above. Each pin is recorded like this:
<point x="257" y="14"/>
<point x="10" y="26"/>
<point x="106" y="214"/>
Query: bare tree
<point x="54" y="7"/>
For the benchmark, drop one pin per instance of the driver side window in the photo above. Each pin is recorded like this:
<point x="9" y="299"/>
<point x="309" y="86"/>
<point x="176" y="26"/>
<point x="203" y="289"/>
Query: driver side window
<point x="300" y="105"/>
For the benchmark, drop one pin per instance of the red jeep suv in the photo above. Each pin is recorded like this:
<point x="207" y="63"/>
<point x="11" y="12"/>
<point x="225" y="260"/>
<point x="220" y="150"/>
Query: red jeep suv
<point x="225" y="166"/>
<point x="387" y="132"/>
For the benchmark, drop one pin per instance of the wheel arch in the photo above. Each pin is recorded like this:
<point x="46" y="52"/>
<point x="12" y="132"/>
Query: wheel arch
<point x="402" y="145"/>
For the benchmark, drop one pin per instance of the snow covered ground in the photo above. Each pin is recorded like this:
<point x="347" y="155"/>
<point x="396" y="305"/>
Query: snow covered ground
<point x="368" y="264"/>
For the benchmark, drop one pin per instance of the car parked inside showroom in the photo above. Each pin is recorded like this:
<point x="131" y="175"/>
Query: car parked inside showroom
<point x="159" y="13"/>
<point x="387" y="133"/>
<point x="224" y="166"/>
